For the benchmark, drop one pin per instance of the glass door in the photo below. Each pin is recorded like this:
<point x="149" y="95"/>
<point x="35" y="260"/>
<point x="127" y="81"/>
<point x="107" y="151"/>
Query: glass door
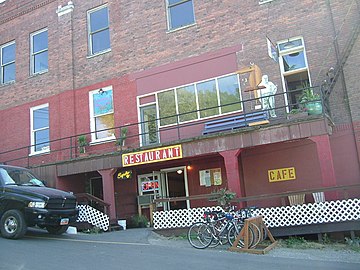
<point x="149" y="129"/>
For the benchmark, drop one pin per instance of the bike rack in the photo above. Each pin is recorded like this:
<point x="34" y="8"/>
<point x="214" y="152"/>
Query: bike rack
<point x="259" y="248"/>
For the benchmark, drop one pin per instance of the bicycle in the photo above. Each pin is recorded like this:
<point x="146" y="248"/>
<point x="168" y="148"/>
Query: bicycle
<point x="212" y="232"/>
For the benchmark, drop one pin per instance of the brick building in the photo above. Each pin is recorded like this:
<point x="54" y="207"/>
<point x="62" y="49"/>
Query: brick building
<point x="164" y="71"/>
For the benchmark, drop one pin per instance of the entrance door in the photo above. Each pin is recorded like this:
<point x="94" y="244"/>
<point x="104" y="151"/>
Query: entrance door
<point x="176" y="186"/>
<point x="96" y="187"/>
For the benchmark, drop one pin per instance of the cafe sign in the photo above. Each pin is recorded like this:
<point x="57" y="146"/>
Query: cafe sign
<point x="152" y="155"/>
<point x="282" y="174"/>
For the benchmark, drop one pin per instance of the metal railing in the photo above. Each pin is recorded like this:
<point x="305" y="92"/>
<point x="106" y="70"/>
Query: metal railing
<point x="333" y="193"/>
<point x="67" y="148"/>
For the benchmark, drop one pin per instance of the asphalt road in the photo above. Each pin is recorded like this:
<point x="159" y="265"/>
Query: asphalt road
<point x="142" y="249"/>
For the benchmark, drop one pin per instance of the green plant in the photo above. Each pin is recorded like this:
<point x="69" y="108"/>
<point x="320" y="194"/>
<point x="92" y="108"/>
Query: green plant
<point x="139" y="221"/>
<point x="295" y="242"/>
<point x="123" y="133"/>
<point x="82" y="143"/>
<point x="93" y="230"/>
<point x="295" y="111"/>
<point x="353" y="243"/>
<point x="308" y="95"/>
<point x="224" y="197"/>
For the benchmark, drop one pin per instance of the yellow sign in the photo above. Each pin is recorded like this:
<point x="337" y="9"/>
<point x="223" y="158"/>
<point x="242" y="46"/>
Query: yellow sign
<point x="124" y="175"/>
<point x="151" y="156"/>
<point x="282" y="174"/>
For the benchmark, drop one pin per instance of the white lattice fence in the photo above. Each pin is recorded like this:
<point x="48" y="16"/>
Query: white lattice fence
<point x="179" y="218"/>
<point x="93" y="216"/>
<point x="302" y="214"/>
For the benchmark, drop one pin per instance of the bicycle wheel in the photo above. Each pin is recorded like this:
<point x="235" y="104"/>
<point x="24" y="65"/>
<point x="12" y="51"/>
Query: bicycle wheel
<point x="257" y="235"/>
<point x="235" y="231"/>
<point x="263" y="232"/>
<point x="199" y="235"/>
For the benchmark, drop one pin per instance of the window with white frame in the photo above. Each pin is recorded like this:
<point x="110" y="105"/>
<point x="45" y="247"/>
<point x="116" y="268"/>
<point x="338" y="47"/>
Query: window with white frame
<point x="7" y="62"/>
<point x="294" y="69"/>
<point x="98" y="30"/>
<point x="102" y="114"/>
<point x="39" y="51"/>
<point x="199" y="100"/>
<point x="40" y="130"/>
<point x="180" y="13"/>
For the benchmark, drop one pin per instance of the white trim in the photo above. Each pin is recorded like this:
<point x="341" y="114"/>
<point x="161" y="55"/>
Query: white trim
<point x="32" y="55"/>
<point x="169" y="29"/>
<point x="197" y="98"/>
<point x="93" y="130"/>
<point x="89" y="34"/>
<point x="261" y="2"/>
<point x="65" y="9"/>
<point x="32" y="131"/>
<point x="283" y="73"/>
<point x="186" y="185"/>
<point x="7" y="64"/>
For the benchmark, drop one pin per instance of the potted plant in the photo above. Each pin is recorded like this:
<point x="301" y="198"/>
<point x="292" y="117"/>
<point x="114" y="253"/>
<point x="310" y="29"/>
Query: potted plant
<point x="311" y="102"/>
<point x="224" y="197"/>
<point x="297" y="113"/>
<point x="120" y="142"/>
<point x="82" y="143"/>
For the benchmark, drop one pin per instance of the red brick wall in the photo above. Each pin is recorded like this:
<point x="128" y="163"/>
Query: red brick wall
<point x="138" y="44"/>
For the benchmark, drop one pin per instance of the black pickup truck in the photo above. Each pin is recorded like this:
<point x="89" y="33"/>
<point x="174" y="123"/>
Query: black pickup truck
<point x="26" y="202"/>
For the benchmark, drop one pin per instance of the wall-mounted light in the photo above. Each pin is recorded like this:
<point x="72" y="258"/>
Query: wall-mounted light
<point x="189" y="166"/>
<point x="179" y="171"/>
<point x="101" y="91"/>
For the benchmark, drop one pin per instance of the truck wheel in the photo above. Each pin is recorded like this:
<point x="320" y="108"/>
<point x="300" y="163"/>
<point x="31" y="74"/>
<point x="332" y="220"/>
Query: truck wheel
<point x="57" y="229"/>
<point x="12" y="224"/>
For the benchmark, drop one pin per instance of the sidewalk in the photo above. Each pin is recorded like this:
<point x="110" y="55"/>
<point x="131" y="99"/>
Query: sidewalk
<point x="146" y="236"/>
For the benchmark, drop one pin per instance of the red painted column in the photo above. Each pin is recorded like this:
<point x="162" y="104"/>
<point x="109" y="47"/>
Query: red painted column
<point x="325" y="160"/>
<point x="232" y="170"/>
<point x="108" y="190"/>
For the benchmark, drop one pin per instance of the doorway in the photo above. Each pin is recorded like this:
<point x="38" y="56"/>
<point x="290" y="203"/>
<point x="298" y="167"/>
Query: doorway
<point x="96" y="187"/>
<point x="175" y="181"/>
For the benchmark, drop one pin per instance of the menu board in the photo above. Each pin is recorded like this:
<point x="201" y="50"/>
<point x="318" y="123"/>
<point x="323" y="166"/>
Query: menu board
<point x="210" y="177"/>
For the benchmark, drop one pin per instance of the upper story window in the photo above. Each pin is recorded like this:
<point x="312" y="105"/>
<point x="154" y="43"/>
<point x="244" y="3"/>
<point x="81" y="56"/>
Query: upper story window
<point x="294" y="69"/>
<point x="39" y="52"/>
<point x="98" y="29"/>
<point x="180" y="13"/>
<point x="40" y="130"/>
<point x="7" y="63"/>
<point x="102" y="114"/>
<point x="199" y="100"/>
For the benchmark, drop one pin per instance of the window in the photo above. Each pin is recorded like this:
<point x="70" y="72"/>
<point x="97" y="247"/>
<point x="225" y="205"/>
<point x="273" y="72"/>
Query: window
<point x="7" y="61"/>
<point x="200" y="100"/>
<point x="180" y="13"/>
<point x="102" y="114"/>
<point x="294" y="69"/>
<point x="229" y="94"/>
<point x="149" y="133"/>
<point x="98" y="29"/>
<point x="39" y="52"/>
<point x="40" y="131"/>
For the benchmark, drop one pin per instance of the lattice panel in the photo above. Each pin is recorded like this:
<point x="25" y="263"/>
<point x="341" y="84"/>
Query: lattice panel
<point x="93" y="216"/>
<point x="302" y="214"/>
<point x="179" y="218"/>
<point x="311" y="213"/>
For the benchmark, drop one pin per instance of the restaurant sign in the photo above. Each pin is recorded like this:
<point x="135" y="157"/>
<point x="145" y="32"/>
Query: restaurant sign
<point x="152" y="155"/>
<point x="282" y="174"/>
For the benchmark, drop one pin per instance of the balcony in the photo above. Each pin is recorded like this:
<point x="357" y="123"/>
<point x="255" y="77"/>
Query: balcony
<point x="253" y="124"/>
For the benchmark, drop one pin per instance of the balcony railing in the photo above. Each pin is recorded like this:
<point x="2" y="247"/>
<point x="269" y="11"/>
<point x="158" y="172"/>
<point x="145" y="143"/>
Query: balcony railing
<point x="67" y="148"/>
